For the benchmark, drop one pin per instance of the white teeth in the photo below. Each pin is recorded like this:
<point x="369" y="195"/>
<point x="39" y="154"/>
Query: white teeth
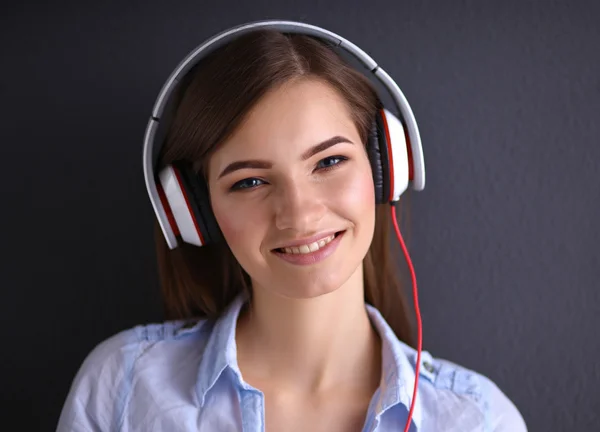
<point x="304" y="249"/>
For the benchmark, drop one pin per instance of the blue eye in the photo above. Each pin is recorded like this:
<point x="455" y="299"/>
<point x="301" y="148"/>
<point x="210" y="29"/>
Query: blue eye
<point x="248" y="183"/>
<point x="331" y="162"/>
<point x="324" y="164"/>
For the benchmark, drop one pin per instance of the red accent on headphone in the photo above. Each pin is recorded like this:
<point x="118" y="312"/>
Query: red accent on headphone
<point x="389" y="150"/>
<point x="187" y="202"/>
<point x="167" y="207"/>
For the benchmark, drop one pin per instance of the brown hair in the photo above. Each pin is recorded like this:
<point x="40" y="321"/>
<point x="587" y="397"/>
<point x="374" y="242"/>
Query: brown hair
<point x="200" y="282"/>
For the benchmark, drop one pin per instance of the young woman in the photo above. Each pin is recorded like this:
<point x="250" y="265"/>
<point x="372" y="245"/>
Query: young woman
<point x="290" y="316"/>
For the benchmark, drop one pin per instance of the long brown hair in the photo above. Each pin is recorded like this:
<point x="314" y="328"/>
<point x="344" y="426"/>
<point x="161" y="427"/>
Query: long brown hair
<point x="200" y="282"/>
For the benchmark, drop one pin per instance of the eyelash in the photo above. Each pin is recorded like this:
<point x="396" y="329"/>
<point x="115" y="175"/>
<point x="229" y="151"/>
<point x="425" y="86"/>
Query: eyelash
<point x="236" y="186"/>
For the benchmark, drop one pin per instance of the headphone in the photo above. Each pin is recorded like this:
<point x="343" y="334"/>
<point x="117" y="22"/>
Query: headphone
<point x="180" y="197"/>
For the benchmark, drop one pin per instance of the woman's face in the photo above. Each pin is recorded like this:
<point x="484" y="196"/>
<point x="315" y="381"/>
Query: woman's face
<point x="294" y="173"/>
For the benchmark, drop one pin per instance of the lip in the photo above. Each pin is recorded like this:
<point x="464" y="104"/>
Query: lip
<point x="307" y="240"/>
<point x="312" y="257"/>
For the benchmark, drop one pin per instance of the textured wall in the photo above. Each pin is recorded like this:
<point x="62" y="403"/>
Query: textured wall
<point x="504" y="238"/>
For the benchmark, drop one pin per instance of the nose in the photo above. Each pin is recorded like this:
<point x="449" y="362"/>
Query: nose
<point x="298" y="207"/>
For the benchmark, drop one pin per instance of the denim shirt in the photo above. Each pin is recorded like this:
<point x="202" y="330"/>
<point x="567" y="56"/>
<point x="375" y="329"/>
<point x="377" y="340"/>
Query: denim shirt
<point x="176" y="377"/>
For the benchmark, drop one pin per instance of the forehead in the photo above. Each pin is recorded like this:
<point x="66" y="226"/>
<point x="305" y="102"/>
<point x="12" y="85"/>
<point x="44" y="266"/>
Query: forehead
<point x="287" y="121"/>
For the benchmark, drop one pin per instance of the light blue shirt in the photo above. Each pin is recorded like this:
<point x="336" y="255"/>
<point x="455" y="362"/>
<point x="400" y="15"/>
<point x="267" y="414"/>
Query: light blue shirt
<point x="175" y="377"/>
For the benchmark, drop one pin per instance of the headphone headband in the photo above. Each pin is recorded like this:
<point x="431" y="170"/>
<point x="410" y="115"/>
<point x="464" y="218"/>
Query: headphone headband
<point x="151" y="150"/>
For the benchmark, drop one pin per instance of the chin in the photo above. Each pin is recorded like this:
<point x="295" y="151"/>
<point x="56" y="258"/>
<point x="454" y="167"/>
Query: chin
<point x="314" y="285"/>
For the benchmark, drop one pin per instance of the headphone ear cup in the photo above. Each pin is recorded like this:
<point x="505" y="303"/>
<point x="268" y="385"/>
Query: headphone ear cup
<point x="394" y="144"/>
<point x="189" y="212"/>
<point x="197" y="190"/>
<point x="177" y="194"/>
<point x="378" y="156"/>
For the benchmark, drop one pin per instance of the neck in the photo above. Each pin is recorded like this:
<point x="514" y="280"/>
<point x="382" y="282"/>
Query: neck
<point x="310" y="345"/>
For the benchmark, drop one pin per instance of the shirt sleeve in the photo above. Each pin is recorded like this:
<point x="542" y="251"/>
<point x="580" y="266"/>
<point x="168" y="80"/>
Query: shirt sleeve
<point x="99" y="390"/>
<point x="503" y="415"/>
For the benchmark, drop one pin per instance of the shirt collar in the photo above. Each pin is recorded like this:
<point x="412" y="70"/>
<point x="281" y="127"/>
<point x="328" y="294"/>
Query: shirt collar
<point x="398" y="369"/>
<point x="398" y="361"/>
<point x="221" y="349"/>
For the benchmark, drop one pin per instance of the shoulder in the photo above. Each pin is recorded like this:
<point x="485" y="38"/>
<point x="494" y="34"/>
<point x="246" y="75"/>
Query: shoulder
<point x="451" y="397"/>
<point x="99" y="392"/>
<point x="496" y="410"/>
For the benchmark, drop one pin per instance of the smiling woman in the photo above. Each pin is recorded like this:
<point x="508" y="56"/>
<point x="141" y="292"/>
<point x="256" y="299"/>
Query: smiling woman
<point x="291" y="315"/>
<point x="260" y="128"/>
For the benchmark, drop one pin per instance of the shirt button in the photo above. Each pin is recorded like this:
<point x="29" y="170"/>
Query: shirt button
<point x="428" y="367"/>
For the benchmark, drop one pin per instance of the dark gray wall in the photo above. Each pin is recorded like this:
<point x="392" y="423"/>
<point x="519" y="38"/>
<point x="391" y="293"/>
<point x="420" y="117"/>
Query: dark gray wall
<point x="504" y="238"/>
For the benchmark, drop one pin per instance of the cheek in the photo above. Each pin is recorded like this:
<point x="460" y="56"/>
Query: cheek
<point x="231" y="224"/>
<point x="359" y="191"/>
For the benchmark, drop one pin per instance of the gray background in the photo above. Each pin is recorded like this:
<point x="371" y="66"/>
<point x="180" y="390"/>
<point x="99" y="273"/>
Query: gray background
<point x="504" y="237"/>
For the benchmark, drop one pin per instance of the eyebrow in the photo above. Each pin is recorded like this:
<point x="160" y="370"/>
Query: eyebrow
<point x="261" y="164"/>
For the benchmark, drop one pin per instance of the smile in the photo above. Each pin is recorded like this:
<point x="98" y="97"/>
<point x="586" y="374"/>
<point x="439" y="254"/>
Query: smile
<point x="310" y="253"/>
<point x="307" y="248"/>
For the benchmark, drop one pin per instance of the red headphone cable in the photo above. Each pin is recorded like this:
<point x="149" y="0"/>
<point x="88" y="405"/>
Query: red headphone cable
<point x="417" y="313"/>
